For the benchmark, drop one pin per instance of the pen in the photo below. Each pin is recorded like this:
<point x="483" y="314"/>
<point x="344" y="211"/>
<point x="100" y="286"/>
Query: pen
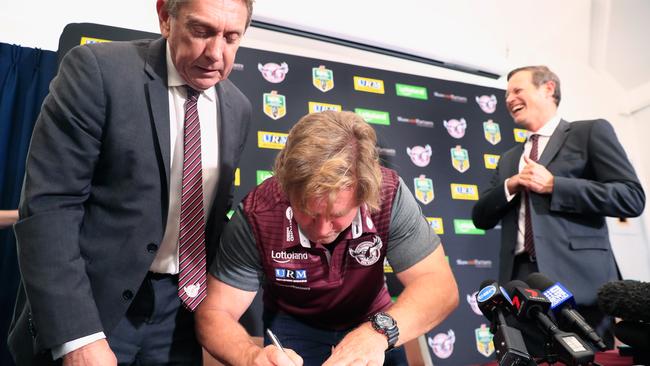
<point x="276" y="342"/>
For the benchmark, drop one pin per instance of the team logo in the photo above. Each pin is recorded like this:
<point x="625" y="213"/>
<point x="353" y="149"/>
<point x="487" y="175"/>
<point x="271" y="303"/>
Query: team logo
<point x="322" y="78"/>
<point x="420" y="156"/>
<point x="436" y="225"/>
<point x="442" y="344"/>
<point x="275" y="105"/>
<point x="488" y="103"/>
<point x="315" y="107"/>
<point x="484" y="343"/>
<point x="367" y="252"/>
<point x="192" y="291"/>
<point x="455" y="127"/>
<point x="423" y="189"/>
<point x="272" y="72"/>
<point x="491" y="161"/>
<point x="464" y="191"/>
<point x="471" y="300"/>
<point x="459" y="158"/>
<point x="271" y="140"/>
<point x="491" y="132"/>
<point x="520" y="134"/>
<point x="369" y="85"/>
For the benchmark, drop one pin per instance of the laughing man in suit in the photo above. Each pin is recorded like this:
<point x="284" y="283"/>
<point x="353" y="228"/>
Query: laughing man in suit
<point x="98" y="236"/>
<point x="581" y="175"/>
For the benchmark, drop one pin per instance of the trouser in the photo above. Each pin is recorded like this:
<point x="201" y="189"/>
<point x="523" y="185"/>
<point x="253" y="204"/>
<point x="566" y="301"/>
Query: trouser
<point x="157" y="329"/>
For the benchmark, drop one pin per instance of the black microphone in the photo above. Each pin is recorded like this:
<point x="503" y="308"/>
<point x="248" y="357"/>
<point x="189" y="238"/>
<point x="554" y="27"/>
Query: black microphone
<point x="562" y="305"/>
<point x="626" y="299"/>
<point x="494" y="303"/>
<point x="532" y="305"/>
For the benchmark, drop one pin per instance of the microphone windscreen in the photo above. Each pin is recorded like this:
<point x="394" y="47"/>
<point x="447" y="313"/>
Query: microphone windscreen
<point x="486" y="283"/>
<point x="627" y="299"/>
<point x="539" y="281"/>
<point x="634" y="334"/>
<point x="510" y="286"/>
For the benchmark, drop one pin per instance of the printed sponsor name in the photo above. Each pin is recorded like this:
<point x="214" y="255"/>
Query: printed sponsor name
<point x="284" y="257"/>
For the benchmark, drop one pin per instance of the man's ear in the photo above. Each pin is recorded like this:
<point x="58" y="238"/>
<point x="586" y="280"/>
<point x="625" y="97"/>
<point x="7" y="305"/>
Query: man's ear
<point x="163" y="18"/>
<point x="549" y="88"/>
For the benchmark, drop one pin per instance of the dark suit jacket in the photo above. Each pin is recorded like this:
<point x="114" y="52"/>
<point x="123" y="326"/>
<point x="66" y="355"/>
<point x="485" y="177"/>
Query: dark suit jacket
<point x="593" y="179"/>
<point x="95" y="198"/>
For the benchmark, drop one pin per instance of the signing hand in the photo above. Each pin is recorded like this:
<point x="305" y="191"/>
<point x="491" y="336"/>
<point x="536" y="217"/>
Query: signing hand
<point x="535" y="177"/>
<point x="273" y="356"/>
<point x="363" y="346"/>
<point x="97" y="353"/>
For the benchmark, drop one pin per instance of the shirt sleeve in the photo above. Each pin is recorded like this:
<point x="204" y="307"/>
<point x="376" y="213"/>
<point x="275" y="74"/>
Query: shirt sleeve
<point x="410" y="238"/>
<point x="238" y="261"/>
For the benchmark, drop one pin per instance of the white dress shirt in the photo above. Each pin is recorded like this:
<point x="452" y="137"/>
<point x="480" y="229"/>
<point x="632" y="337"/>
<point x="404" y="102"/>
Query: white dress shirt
<point x="544" y="135"/>
<point x="166" y="260"/>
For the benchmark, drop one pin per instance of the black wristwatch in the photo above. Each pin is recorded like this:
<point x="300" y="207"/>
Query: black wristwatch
<point x="386" y="325"/>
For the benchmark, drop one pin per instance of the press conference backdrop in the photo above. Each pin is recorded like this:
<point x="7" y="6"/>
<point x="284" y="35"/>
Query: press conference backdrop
<point x="443" y="137"/>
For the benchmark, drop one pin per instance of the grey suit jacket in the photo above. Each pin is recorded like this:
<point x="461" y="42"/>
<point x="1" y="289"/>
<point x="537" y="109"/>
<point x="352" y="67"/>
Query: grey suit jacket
<point x="593" y="179"/>
<point x="95" y="198"/>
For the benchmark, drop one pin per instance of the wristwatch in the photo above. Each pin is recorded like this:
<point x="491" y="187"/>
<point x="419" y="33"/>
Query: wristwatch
<point x="386" y="325"/>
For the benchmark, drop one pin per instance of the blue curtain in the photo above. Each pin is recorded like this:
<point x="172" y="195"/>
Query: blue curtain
<point x="25" y="74"/>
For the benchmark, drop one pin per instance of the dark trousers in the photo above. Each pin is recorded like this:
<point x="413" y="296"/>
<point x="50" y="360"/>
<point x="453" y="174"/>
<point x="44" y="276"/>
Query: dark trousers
<point x="313" y="344"/>
<point x="533" y="337"/>
<point x="157" y="329"/>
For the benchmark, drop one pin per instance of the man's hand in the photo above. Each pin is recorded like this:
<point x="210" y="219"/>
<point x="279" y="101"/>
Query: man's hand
<point x="95" y="353"/>
<point x="362" y="346"/>
<point x="273" y="356"/>
<point x="513" y="184"/>
<point x="536" y="178"/>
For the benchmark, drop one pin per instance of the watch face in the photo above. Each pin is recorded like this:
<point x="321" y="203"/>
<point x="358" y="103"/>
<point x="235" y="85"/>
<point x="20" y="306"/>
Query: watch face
<point x="384" y="321"/>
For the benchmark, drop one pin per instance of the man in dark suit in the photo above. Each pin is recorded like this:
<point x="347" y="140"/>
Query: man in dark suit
<point x="132" y="158"/>
<point x="552" y="193"/>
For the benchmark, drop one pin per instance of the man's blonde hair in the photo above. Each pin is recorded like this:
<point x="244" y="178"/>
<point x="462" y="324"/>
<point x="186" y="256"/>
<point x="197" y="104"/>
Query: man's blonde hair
<point x="327" y="152"/>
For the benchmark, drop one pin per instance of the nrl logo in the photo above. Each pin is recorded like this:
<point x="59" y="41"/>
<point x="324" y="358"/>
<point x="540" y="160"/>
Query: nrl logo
<point x="488" y="103"/>
<point x="367" y="253"/>
<point x="322" y="78"/>
<point x="273" y="72"/>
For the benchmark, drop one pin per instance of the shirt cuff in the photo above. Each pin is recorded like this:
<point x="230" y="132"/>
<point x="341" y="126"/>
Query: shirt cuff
<point x="67" y="347"/>
<point x="509" y="196"/>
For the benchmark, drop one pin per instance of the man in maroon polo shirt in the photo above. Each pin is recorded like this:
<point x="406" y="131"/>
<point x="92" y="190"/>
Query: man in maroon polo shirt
<point x="315" y="236"/>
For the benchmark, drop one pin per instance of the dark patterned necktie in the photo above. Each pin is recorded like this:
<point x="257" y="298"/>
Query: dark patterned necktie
<point x="529" y="243"/>
<point x="192" y="255"/>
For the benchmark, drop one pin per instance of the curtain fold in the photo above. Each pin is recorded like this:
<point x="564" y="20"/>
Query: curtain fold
<point x="25" y="74"/>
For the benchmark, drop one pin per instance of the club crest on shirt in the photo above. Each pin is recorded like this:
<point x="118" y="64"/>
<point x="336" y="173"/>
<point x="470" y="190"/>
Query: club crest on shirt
<point x="322" y="78"/>
<point x="275" y="105"/>
<point x="491" y="132"/>
<point x="192" y="290"/>
<point x="442" y="344"/>
<point x="484" y="343"/>
<point x="272" y="72"/>
<point x="420" y="156"/>
<point x="459" y="158"/>
<point x="456" y="127"/>
<point x="367" y="253"/>
<point x="488" y="103"/>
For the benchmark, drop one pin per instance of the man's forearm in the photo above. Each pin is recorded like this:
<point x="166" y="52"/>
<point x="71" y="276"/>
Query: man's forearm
<point x="224" y="338"/>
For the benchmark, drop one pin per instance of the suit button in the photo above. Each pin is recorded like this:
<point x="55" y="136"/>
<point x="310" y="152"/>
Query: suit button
<point x="127" y="295"/>
<point x="152" y="248"/>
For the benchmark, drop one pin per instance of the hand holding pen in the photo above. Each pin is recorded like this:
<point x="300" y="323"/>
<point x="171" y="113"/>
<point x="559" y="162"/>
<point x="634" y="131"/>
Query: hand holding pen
<point x="291" y="356"/>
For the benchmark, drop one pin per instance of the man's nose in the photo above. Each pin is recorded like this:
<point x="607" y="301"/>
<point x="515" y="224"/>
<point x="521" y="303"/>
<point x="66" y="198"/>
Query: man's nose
<point x="214" y="48"/>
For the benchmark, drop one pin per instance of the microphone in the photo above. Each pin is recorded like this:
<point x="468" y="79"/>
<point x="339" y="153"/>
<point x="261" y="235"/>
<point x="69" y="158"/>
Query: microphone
<point x="532" y="305"/>
<point x="562" y="304"/>
<point x="494" y="303"/>
<point x="626" y="299"/>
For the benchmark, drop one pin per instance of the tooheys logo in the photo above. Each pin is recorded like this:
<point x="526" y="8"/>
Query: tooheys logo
<point x="284" y="257"/>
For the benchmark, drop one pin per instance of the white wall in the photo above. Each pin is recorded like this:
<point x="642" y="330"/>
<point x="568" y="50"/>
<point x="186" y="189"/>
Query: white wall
<point x="493" y="35"/>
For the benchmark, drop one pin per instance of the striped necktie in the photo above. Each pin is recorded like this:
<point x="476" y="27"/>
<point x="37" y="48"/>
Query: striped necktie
<point x="529" y="243"/>
<point x="192" y="252"/>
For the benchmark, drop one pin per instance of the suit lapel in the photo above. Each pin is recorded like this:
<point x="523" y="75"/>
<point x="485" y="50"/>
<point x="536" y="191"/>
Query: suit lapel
<point x="555" y="142"/>
<point x="158" y="99"/>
